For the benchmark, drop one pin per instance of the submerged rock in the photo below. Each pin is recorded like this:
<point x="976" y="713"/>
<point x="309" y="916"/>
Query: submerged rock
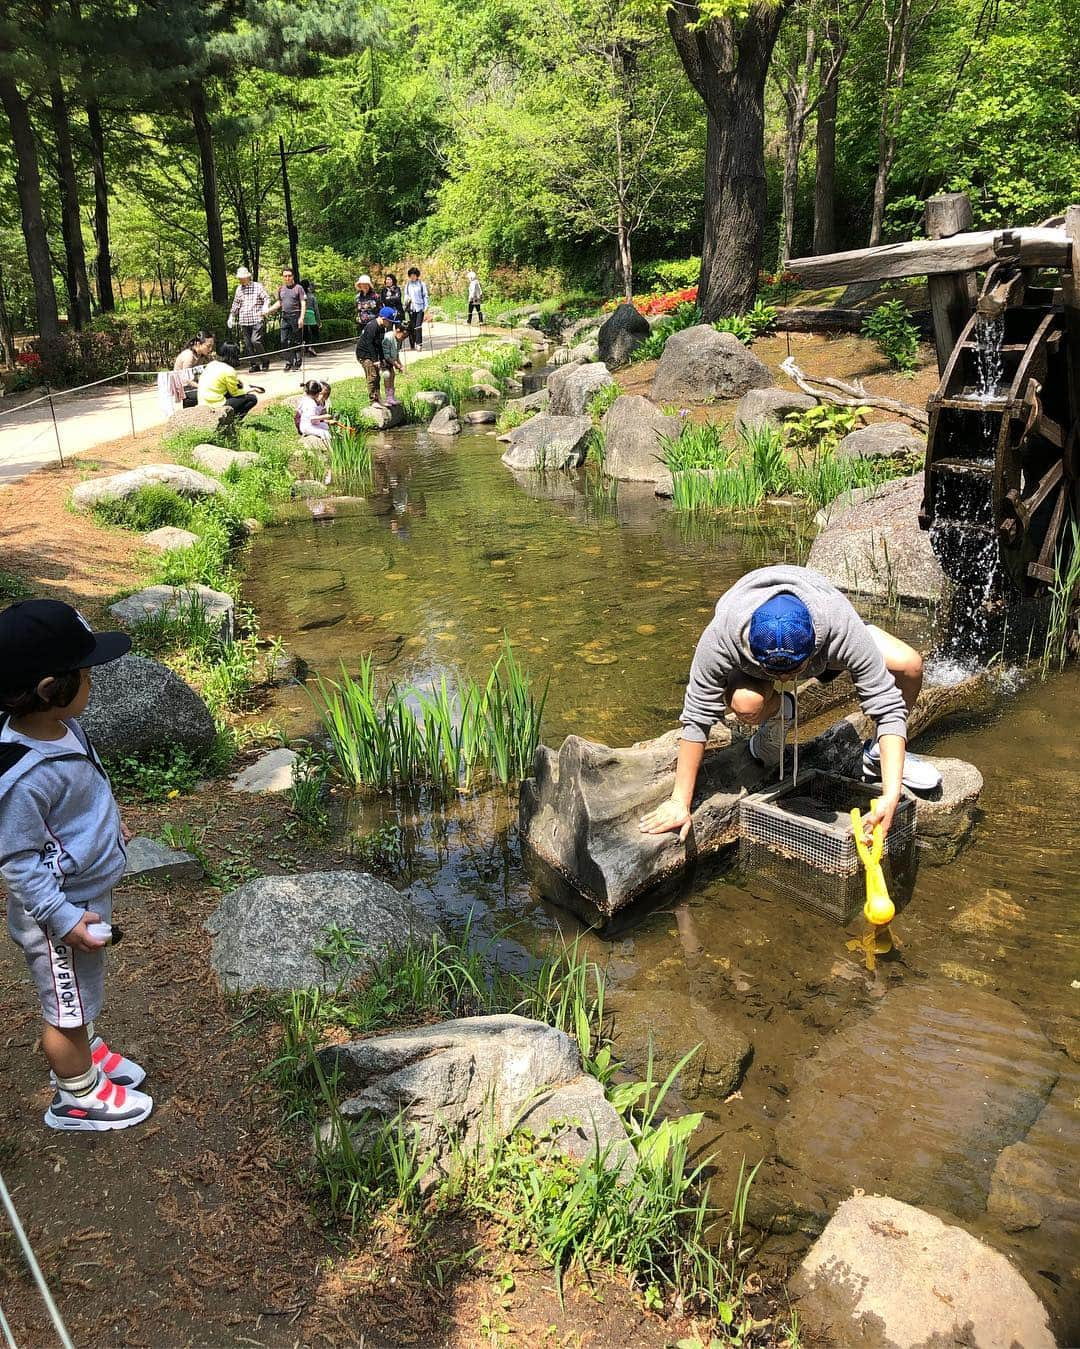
<point x="480" y="417"/>
<point x="265" y="933"/>
<point x="572" y="386"/>
<point x="549" y="442"/>
<point x="185" y="481"/>
<point x="138" y="706"/>
<point x="700" y="365"/>
<point x="633" y="429"/>
<point x="620" y="335"/>
<point x="895" y="1277"/>
<point x="875" y="547"/>
<point x="672" y="1025"/>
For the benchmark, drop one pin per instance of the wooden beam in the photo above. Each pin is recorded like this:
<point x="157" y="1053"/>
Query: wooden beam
<point x="932" y="257"/>
<point x="803" y="319"/>
<point x="952" y="294"/>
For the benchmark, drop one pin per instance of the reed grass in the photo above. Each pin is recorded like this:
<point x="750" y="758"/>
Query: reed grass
<point x="350" y="458"/>
<point x="698" y="446"/>
<point x="447" y="736"/>
<point x="1063" y="593"/>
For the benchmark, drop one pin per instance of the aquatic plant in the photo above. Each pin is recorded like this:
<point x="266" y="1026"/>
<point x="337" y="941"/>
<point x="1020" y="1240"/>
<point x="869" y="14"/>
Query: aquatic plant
<point x="764" y="443"/>
<point x="350" y="458"/>
<point x="823" y="477"/>
<point x="511" y="415"/>
<point x="444" y="736"/>
<point x="698" y="445"/>
<point x="734" y="488"/>
<point x="1063" y="591"/>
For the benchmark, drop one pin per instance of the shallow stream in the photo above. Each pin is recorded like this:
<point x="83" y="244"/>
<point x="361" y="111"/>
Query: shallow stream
<point x="922" y="1074"/>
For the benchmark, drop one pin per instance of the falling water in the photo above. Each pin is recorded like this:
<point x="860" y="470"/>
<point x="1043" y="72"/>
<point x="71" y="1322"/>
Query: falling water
<point x="989" y="362"/>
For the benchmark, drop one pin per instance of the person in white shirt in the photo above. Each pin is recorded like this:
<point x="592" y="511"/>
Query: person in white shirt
<point x="249" y="306"/>
<point x="416" y="303"/>
<point x="476" y="298"/>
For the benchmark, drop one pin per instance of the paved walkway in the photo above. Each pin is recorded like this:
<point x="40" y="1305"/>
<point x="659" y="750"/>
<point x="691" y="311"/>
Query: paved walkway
<point x="28" y="438"/>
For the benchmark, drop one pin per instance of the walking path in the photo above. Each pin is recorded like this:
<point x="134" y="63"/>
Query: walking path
<point x="84" y="421"/>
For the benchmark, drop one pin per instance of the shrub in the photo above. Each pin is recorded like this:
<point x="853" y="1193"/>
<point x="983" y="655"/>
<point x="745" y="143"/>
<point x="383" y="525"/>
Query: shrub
<point x="151" y="507"/>
<point x="681" y="274"/>
<point x="897" y="338"/>
<point x="822" y="427"/>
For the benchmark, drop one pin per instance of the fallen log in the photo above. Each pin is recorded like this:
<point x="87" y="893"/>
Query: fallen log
<point x="966" y="252"/>
<point x="578" y="814"/>
<point x="851" y="395"/>
<point x="805" y="319"/>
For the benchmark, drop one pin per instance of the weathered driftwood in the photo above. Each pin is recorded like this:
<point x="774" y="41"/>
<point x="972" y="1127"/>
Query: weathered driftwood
<point x="836" y="319"/>
<point x="579" y="812"/>
<point x="853" y="395"/>
<point x="929" y="257"/>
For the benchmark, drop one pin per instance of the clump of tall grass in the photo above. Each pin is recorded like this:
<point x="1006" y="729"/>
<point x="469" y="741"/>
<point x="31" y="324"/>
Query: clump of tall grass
<point x="698" y="446"/>
<point x="511" y="415"/>
<point x="444" y="736"/>
<point x="151" y="507"/>
<point x="350" y="459"/>
<point x="1063" y="592"/>
<point x="602" y="400"/>
<point x="764" y="444"/>
<point x="735" y="488"/>
<point x="224" y="671"/>
<point x="825" y="476"/>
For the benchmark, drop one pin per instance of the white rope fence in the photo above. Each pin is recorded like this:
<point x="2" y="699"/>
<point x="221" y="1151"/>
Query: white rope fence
<point x="35" y="1270"/>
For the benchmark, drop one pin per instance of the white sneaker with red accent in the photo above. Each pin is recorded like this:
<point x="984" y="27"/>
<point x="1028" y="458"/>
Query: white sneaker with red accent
<point x="106" y="1106"/>
<point x="123" y="1071"/>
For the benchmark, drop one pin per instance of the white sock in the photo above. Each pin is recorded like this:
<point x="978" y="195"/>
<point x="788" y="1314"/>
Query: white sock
<point x="81" y="1085"/>
<point x="90" y="1031"/>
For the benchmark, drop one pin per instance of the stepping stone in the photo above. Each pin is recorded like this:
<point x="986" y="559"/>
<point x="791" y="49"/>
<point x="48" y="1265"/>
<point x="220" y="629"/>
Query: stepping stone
<point x="484" y="391"/>
<point x="435" y="397"/>
<point x="169" y="537"/>
<point x="187" y="482"/>
<point x="150" y="860"/>
<point x="216" y="458"/>
<point x="480" y="417"/>
<point x="271" y="772"/>
<point x="216" y="604"/>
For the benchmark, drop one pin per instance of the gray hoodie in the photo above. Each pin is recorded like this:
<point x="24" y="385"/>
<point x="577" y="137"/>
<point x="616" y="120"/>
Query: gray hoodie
<point x="60" y="843"/>
<point x="843" y="643"/>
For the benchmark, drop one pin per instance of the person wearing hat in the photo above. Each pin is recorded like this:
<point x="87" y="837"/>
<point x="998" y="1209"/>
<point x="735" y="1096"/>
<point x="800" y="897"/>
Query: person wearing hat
<point x="61" y="852"/>
<point x="369" y="349"/>
<point x="476" y="298"/>
<point x="249" y="306"/>
<point x="775" y="626"/>
<point x="368" y="302"/>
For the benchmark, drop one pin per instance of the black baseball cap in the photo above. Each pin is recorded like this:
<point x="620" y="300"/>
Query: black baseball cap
<point x="39" y="638"/>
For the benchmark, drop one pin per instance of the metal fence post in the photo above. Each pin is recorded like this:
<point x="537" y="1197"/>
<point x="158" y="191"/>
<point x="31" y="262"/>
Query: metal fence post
<point x="131" y="405"/>
<point x="56" y="429"/>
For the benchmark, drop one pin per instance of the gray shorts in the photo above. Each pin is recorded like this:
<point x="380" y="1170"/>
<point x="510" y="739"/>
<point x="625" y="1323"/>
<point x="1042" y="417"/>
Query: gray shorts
<point x="70" y="984"/>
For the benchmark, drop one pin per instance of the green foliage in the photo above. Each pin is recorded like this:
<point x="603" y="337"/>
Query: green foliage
<point x="1061" y="627"/>
<point x="155" y="775"/>
<point x="764" y="443"/>
<point x="603" y="399"/>
<point x="700" y="445"/>
<point x="746" y="327"/>
<point x="441" y="736"/>
<point x="151" y="507"/>
<point x="12" y="587"/>
<point x="225" y="672"/>
<point x="350" y="460"/>
<point x="511" y="416"/>
<point x="824" y="475"/>
<point x="822" y="427"/>
<point x="311" y="773"/>
<point x="662" y="277"/>
<point x="897" y="338"/>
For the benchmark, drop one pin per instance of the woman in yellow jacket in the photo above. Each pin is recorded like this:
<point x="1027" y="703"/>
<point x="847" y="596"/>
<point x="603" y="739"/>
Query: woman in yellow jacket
<point x="219" y="385"/>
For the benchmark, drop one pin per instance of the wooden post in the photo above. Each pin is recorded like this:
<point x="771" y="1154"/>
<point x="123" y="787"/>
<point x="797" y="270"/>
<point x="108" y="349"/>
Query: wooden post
<point x="952" y="294"/>
<point x="1070" y="286"/>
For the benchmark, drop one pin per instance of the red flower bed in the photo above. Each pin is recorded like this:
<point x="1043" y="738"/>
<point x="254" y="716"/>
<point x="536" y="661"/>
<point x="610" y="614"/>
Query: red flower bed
<point x="658" y="304"/>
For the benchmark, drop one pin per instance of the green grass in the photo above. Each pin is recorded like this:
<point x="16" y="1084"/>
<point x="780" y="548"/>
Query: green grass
<point x="12" y="587"/>
<point x="350" y="460"/>
<point x="151" y="507"/>
<point x="224" y="672"/>
<point x="602" y="400"/>
<point x="825" y="476"/>
<point x="698" y="446"/>
<point x="1063" y="591"/>
<point x="444" y="736"/>
<point x="509" y="417"/>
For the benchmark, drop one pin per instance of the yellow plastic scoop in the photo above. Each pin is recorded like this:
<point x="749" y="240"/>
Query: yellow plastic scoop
<point x="879" y="909"/>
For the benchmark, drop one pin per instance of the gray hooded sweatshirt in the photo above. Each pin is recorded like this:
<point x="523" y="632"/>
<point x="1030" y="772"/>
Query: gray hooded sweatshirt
<point x="842" y="642"/>
<point x="60" y="843"/>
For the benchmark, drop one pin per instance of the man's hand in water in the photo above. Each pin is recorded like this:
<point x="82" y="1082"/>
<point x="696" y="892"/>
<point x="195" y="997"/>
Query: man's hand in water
<point x="669" y="816"/>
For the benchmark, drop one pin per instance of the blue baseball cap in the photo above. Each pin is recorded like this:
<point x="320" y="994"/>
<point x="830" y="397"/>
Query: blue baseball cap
<point x="781" y="634"/>
<point x="387" y="313"/>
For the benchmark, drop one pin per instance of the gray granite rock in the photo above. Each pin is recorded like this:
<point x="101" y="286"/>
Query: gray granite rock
<point x="480" y="417"/>
<point x="620" y="335"/>
<point x="208" y="421"/>
<point x="770" y="405"/>
<point x="549" y="442"/>
<point x="700" y="365"/>
<point x="581" y="1122"/>
<point x="882" y="440"/>
<point x="573" y="386"/>
<point x="147" y="859"/>
<point x="586" y="351"/>
<point x="218" y="607"/>
<point x="485" y="392"/>
<point x="875" y="547"/>
<point x="889" y="1275"/>
<point x="169" y="537"/>
<point x="633" y="428"/>
<point x="216" y="459"/>
<point x="270" y="773"/>
<point x="946" y="818"/>
<point x="265" y="933"/>
<point x="435" y="397"/>
<point x="381" y="417"/>
<point x="139" y="706"/>
<point x="185" y="481"/>
<point x="445" y="422"/>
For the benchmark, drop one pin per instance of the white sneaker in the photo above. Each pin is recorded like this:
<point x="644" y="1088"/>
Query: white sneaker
<point x="123" y="1071"/>
<point x="919" y="775"/>
<point x="767" y="743"/>
<point x="106" y="1106"/>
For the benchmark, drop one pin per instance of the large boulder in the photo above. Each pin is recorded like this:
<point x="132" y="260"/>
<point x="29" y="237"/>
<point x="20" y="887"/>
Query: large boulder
<point x="548" y="442"/>
<point x="621" y="335"/>
<point x="207" y="421"/>
<point x="633" y="428"/>
<point x="175" y="601"/>
<point x="216" y="459"/>
<point x="445" y="422"/>
<point x="572" y="386"/>
<point x="187" y="482"/>
<point x="895" y="1277"/>
<point x="588" y="350"/>
<point x="138" y="706"/>
<point x="700" y="365"/>
<point x="876" y="548"/>
<point x="537" y="401"/>
<point x="882" y="440"/>
<point x="581" y="328"/>
<point x="382" y="417"/>
<point x="265" y="934"/>
<point x="472" y="1082"/>
<point x="770" y="405"/>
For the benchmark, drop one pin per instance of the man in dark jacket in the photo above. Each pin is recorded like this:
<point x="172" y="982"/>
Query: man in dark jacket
<point x="369" y="350"/>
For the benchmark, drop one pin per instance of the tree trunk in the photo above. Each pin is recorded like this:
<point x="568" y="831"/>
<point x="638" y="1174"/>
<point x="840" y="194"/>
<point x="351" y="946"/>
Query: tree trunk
<point x="797" y="108"/>
<point x="899" y="30"/>
<point x="825" y="168"/>
<point x="106" y="299"/>
<point x="7" y="337"/>
<point x="219" y="280"/>
<point x="70" y="217"/>
<point x="727" y="62"/>
<point x="28" y="185"/>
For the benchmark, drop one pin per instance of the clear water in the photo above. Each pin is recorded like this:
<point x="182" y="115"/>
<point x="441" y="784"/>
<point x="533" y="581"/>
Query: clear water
<point x="451" y="549"/>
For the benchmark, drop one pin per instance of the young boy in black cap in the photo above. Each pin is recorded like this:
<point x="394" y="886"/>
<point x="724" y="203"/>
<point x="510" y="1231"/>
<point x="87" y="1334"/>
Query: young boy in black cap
<point x="61" y="853"/>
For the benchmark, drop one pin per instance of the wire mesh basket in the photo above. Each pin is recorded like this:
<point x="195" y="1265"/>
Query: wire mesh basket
<point x="799" y="839"/>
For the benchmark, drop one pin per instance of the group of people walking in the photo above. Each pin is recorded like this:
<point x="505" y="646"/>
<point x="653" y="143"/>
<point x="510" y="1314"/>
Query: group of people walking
<point x="251" y="307"/>
<point x="407" y="307"/>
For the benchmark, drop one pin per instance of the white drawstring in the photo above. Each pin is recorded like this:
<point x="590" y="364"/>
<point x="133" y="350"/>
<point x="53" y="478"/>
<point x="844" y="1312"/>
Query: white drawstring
<point x="795" y="732"/>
